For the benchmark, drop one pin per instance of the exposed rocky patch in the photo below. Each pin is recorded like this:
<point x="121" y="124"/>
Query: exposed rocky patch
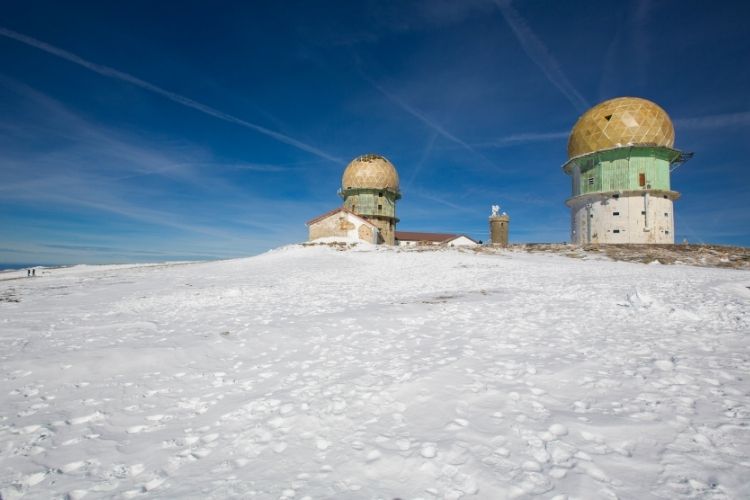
<point x="693" y="255"/>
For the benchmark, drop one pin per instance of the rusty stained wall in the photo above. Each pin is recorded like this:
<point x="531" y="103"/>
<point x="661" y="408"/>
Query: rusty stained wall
<point x="613" y="173"/>
<point x="387" y="230"/>
<point x="622" y="220"/>
<point x="365" y="233"/>
<point x="499" y="230"/>
<point x="371" y="203"/>
<point x="336" y="225"/>
<point x="341" y="225"/>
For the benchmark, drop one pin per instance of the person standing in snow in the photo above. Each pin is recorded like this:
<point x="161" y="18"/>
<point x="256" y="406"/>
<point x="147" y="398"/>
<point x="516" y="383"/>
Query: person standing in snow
<point x="33" y="272"/>
<point x="28" y="273"/>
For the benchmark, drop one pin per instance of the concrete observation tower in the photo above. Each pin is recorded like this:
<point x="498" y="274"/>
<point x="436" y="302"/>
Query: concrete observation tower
<point x="499" y="225"/>
<point x="369" y="188"/>
<point x="621" y="157"/>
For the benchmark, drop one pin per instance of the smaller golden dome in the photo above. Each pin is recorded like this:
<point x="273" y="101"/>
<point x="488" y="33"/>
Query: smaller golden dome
<point x="370" y="171"/>
<point x="623" y="121"/>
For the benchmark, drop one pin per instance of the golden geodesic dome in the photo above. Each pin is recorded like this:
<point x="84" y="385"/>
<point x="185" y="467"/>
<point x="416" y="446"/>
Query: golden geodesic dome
<point x="370" y="171"/>
<point x="623" y="121"/>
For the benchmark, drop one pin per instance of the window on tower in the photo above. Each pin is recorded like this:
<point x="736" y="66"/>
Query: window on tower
<point x="641" y="180"/>
<point x="615" y="213"/>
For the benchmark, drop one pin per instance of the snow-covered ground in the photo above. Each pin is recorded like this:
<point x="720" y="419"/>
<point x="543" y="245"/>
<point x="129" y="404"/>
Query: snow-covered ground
<point x="314" y="373"/>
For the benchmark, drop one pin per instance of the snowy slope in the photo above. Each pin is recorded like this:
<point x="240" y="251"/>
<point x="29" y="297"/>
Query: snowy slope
<point x="314" y="373"/>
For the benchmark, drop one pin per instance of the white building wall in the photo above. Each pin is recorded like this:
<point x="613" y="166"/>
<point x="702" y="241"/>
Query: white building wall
<point x="344" y="226"/>
<point x="622" y="220"/>
<point x="356" y="232"/>
<point x="462" y="241"/>
<point x="406" y="243"/>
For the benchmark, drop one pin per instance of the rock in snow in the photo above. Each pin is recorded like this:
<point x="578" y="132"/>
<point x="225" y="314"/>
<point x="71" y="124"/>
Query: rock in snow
<point x="308" y="372"/>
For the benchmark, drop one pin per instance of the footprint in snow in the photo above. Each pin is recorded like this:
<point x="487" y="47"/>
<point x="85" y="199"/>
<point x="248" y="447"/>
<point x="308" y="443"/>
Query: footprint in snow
<point x="457" y="424"/>
<point x="429" y="450"/>
<point x="93" y="417"/>
<point x="71" y="467"/>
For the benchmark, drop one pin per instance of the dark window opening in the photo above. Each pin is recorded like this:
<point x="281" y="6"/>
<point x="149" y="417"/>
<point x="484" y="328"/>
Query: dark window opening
<point x="666" y="214"/>
<point x="608" y="117"/>
<point x="641" y="179"/>
<point x="380" y="194"/>
<point x="617" y="196"/>
<point x="666" y="232"/>
<point x="616" y="231"/>
<point x="643" y="212"/>
<point x="615" y="213"/>
<point x="380" y="207"/>
<point x="665" y="196"/>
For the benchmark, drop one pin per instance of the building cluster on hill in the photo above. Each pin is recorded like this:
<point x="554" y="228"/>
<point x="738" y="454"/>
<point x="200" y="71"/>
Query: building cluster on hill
<point x="620" y="159"/>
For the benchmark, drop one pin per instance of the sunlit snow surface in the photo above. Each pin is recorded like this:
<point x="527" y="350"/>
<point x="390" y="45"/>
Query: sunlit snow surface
<point x="314" y="373"/>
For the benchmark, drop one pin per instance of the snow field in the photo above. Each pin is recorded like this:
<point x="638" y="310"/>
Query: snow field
<point x="315" y="373"/>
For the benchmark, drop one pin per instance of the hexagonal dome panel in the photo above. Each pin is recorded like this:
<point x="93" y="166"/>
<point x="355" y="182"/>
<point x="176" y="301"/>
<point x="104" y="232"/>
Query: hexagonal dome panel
<point x="370" y="171"/>
<point x="623" y="121"/>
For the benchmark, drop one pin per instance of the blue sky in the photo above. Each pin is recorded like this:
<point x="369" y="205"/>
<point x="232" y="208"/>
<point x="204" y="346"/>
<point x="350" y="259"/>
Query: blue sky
<point x="151" y="131"/>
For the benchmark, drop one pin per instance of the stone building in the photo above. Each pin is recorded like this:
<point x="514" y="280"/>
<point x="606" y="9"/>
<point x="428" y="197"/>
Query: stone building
<point x="342" y="224"/>
<point x="499" y="227"/>
<point x="621" y="157"/>
<point x="413" y="238"/>
<point x="370" y="190"/>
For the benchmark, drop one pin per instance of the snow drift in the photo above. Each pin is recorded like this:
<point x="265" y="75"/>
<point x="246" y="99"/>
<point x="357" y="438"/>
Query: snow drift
<point x="316" y="373"/>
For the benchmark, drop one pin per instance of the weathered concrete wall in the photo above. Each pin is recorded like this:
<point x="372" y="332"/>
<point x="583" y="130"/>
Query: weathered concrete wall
<point x="365" y="233"/>
<point x="387" y="230"/>
<point x="334" y="225"/>
<point x="499" y="228"/>
<point x="342" y="225"/>
<point x="378" y="206"/>
<point x="627" y="219"/>
<point x="462" y="241"/>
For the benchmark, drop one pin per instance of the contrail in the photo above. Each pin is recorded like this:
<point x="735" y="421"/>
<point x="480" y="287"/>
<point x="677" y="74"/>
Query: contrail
<point x="426" y="120"/>
<point x="523" y="138"/>
<point x="125" y="77"/>
<point x="538" y="52"/>
<point x="422" y="159"/>
<point x="420" y="116"/>
<point x="714" y="121"/>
